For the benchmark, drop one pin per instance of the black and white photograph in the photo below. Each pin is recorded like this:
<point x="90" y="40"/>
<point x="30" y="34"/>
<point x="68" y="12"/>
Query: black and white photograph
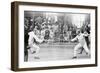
<point x="56" y="36"/>
<point x="51" y="36"/>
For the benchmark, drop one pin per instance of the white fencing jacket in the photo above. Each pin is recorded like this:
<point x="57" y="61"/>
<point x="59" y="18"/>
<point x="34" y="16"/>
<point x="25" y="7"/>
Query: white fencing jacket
<point x="80" y="38"/>
<point x="32" y="36"/>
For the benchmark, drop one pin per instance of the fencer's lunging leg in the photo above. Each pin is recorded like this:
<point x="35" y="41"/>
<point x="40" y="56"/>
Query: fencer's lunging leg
<point x="76" y="48"/>
<point x="36" y="49"/>
<point x="86" y="49"/>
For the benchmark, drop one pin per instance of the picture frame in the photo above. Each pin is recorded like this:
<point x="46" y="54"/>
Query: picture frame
<point x="59" y="53"/>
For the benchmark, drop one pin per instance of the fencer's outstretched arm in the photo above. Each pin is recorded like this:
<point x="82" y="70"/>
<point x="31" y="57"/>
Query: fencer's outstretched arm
<point x="74" y="39"/>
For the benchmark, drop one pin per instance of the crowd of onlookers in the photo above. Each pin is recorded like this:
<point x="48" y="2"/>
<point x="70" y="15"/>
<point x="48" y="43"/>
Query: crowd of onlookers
<point x="52" y="31"/>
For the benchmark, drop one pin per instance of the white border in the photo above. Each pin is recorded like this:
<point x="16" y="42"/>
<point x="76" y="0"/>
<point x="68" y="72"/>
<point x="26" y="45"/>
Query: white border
<point x="23" y="64"/>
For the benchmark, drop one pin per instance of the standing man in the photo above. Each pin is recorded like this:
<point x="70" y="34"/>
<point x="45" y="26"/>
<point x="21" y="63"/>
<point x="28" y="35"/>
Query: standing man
<point x="32" y="42"/>
<point x="82" y="43"/>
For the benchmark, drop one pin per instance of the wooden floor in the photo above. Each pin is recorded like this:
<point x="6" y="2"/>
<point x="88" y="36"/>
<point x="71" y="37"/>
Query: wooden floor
<point x="58" y="51"/>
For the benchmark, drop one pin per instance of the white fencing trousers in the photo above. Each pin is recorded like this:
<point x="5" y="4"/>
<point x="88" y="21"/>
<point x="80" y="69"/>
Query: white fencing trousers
<point x="36" y="48"/>
<point x="79" y="46"/>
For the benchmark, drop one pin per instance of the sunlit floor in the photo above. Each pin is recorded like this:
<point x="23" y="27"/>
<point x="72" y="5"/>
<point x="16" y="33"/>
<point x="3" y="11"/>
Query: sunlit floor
<point x="51" y="52"/>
